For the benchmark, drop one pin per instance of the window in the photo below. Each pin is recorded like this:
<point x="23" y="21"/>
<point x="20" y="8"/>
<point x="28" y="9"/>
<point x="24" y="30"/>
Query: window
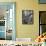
<point x="42" y="22"/>
<point x="42" y="1"/>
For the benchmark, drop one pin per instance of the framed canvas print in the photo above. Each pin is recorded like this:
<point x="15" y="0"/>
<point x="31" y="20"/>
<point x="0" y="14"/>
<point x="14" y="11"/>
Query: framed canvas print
<point x="27" y="16"/>
<point x="7" y="20"/>
<point x="42" y="1"/>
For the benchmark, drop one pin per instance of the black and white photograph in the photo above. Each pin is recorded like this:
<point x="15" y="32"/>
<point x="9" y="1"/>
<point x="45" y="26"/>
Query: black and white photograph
<point x="27" y="16"/>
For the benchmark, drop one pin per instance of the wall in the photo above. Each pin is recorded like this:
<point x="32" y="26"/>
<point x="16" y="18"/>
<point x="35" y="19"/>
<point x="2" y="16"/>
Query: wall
<point x="28" y="31"/>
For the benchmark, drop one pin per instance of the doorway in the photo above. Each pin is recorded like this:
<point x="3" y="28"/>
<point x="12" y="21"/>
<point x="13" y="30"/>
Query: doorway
<point x="7" y="21"/>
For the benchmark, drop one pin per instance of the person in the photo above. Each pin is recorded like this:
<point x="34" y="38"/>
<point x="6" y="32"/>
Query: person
<point x="44" y="35"/>
<point x="39" y="38"/>
<point x="44" y="42"/>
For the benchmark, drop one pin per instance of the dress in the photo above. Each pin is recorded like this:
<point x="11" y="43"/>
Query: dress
<point x="44" y="44"/>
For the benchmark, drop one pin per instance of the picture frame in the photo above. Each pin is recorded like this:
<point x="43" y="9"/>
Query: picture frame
<point x="42" y="1"/>
<point x="27" y="16"/>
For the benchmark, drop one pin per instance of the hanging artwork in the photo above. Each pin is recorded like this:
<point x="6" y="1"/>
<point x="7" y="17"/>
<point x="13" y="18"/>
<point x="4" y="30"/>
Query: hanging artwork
<point x="27" y="16"/>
